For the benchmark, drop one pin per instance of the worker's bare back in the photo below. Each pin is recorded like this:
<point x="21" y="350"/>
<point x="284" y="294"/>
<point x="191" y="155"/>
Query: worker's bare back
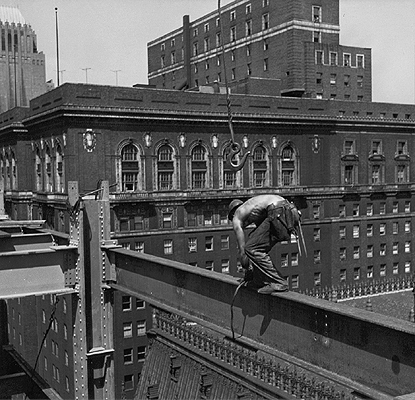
<point x="254" y="210"/>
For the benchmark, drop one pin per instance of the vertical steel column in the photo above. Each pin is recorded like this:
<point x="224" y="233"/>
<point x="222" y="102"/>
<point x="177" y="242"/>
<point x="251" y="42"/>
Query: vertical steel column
<point x="79" y="329"/>
<point x="99" y="296"/>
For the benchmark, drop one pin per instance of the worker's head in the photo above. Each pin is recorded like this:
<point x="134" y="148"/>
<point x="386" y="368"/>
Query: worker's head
<point x="233" y="205"/>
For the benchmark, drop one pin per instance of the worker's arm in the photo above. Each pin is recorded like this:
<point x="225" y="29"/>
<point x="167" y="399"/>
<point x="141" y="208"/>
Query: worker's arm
<point x="240" y="237"/>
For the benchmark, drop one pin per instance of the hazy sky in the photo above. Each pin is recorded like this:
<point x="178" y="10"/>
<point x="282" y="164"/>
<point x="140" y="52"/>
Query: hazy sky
<point x="110" y="35"/>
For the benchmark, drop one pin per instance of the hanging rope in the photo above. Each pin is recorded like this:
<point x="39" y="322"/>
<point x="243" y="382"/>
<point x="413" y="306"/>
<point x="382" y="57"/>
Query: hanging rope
<point x="233" y="148"/>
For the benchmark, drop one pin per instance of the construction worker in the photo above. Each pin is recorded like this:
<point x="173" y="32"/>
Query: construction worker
<point x="275" y="219"/>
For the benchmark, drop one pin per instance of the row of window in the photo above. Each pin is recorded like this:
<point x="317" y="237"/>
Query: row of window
<point x="140" y="328"/>
<point x="200" y="168"/>
<point x="370" y="250"/>
<point x="334" y="59"/>
<point x="370" y="229"/>
<point x="354" y="210"/>
<point x="129" y="355"/>
<point x="127" y="303"/>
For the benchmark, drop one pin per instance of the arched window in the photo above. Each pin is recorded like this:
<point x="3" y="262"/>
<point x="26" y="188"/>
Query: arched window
<point x="230" y="177"/>
<point x="60" y="180"/>
<point x="7" y="175"/>
<point x="48" y="170"/>
<point x="288" y="166"/>
<point x="13" y="182"/>
<point x="165" y="168"/>
<point x="260" y="167"/>
<point x="129" y="168"/>
<point x="38" y="170"/>
<point x="199" y="167"/>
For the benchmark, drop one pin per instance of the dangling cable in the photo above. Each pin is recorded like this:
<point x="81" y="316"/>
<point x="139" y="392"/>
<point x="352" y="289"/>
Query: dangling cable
<point x="234" y="148"/>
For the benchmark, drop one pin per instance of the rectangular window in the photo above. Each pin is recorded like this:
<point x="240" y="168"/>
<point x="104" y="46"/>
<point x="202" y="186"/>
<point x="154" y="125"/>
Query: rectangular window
<point x="128" y="329"/>
<point x="284" y="260"/>
<point x="248" y="27"/>
<point x="355" y="210"/>
<point x="407" y="226"/>
<point x="248" y="8"/>
<point x="233" y="34"/>
<point x="346" y="80"/>
<point x="265" y="21"/>
<point x="342" y="232"/>
<point x="316" y="14"/>
<point x="209" y="265"/>
<point x="333" y="79"/>
<point x="319" y="57"/>
<point x="343" y="253"/>
<point x="401" y="174"/>
<point x="195" y="49"/>
<point x="356" y="252"/>
<point x="167" y="220"/>
<point x="316" y="211"/>
<point x="233" y="15"/>
<point x="382" y="229"/>
<point x="207" y="218"/>
<point x="382" y="270"/>
<point x="128" y="356"/>
<point x="382" y="208"/>
<point x="191" y="219"/>
<point x="395" y="228"/>
<point x="224" y="242"/>
<point x="369" y="209"/>
<point x="382" y="249"/>
<point x="192" y="245"/>
<point x="369" y="230"/>
<point x="349" y="147"/>
<point x="141" y="327"/>
<point x="139" y="304"/>
<point x="126" y="303"/>
<point x="316" y="234"/>
<point x="395" y="207"/>
<point x="360" y="61"/>
<point x="407" y="247"/>
<point x="369" y="273"/>
<point x="141" y="353"/>
<point x="346" y="60"/>
<point x="316" y="36"/>
<point x="395" y="268"/>
<point x="317" y="256"/>
<point x="225" y="266"/>
<point x="376" y="147"/>
<point x="206" y="44"/>
<point x="218" y="40"/>
<point x="128" y="382"/>
<point x="139" y="247"/>
<point x="376" y="174"/>
<point x="369" y="253"/>
<point x="295" y="282"/>
<point x="359" y="81"/>
<point x="319" y="78"/>
<point x="401" y="147"/>
<point x="356" y="231"/>
<point x="333" y="58"/>
<point x="343" y="275"/>
<point x="294" y="259"/>
<point x="356" y="273"/>
<point x="168" y="246"/>
<point x="342" y="211"/>
<point x="206" y="27"/>
<point x="209" y="243"/>
<point x="265" y="64"/>
<point x="317" y="278"/>
<point x="407" y="267"/>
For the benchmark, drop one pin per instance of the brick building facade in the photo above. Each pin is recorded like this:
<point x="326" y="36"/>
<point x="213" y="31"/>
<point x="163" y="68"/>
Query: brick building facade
<point x="278" y="47"/>
<point x="22" y="66"/>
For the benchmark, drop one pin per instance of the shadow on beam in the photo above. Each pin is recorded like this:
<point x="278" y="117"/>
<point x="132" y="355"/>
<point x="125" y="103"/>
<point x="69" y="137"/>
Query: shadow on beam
<point x="371" y="349"/>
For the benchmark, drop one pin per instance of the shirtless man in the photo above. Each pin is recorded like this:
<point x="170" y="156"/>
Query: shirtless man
<point x="275" y="219"/>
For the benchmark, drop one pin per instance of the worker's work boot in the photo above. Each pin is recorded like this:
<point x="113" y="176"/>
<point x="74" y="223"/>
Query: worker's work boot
<point x="273" y="288"/>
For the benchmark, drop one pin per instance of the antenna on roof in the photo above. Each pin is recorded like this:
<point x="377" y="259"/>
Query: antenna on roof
<point x="57" y="45"/>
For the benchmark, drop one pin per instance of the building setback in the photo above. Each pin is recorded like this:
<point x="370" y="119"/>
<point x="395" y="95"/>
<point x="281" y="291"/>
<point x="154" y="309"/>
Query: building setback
<point x="347" y="165"/>
<point x="22" y="66"/>
<point x="279" y="47"/>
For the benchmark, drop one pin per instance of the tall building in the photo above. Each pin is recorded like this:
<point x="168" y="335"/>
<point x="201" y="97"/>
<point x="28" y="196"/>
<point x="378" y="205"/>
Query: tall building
<point x="279" y="47"/>
<point x="22" y="66"/>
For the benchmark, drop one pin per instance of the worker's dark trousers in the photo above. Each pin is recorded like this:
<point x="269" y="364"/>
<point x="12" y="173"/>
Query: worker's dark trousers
<point x="260" y="242"/>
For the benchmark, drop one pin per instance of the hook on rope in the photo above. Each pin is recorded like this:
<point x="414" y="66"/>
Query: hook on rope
<point x="232" y="150"/>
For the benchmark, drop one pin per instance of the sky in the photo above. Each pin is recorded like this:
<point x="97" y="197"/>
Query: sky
<point x="106" y="36"/>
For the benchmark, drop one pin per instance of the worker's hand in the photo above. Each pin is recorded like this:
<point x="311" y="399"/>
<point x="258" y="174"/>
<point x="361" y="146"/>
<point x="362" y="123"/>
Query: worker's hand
<point x="244" y="261"/>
